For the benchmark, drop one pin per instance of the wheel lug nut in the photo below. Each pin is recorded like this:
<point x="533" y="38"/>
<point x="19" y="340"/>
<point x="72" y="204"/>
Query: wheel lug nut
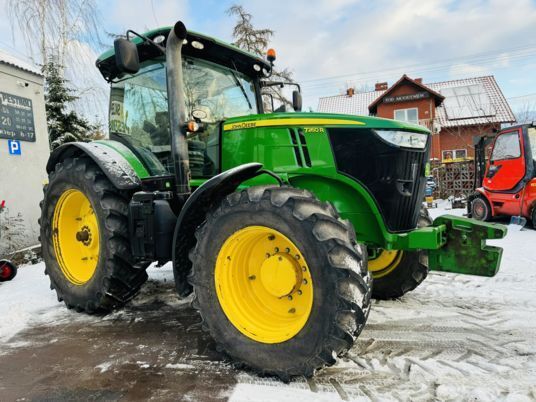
<point x="297" y="256"/>
<point x="268" y="255"/>
<point x="300" y="292"/>
<point x="303" y="269"/>
<point x="289" y="297"/>
<point x="287" y="250"/>
<point x="305" y="281"/>
<point x="277" y="249"/>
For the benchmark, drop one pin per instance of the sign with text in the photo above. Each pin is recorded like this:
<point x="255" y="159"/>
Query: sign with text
<point x="405" y="98"/>
<point x="16" y="118"/>
<point x="14" y="147"/>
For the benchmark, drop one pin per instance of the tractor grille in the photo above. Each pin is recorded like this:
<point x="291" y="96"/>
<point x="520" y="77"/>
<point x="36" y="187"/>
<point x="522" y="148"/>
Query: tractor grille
<point x="394" y="176"/>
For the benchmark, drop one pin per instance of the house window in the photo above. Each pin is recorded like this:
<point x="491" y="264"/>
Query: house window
<point x="409" y="115"/>
<point x="454" y="155"/>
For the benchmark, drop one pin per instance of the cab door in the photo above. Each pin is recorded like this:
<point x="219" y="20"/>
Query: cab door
<point x="507" y="165"/>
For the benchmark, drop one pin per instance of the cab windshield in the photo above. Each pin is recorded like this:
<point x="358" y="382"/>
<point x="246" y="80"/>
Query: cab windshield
<point x="139" y="111"/>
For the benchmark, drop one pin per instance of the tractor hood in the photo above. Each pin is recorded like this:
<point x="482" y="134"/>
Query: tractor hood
<point x="317" y="120"/>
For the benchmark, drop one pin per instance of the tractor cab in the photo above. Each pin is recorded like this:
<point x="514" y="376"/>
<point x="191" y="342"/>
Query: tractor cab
<point x="508" y="179"/>
<point x="219" y="82"/>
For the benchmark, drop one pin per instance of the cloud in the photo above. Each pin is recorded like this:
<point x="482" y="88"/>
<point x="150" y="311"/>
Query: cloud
<point x="142" y="15"/>
<point x="361" y="41"/>
<point x="325" y="38"/>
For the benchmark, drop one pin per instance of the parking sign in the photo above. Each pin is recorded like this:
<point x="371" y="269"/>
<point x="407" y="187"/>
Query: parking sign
<point x="14" y="147"/>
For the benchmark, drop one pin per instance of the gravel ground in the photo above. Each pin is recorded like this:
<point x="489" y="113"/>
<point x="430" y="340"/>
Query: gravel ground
<point x="454" y="338"/>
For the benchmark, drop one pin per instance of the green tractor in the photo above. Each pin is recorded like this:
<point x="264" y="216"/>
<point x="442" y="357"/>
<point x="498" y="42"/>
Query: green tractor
<point x="277" y="222"/>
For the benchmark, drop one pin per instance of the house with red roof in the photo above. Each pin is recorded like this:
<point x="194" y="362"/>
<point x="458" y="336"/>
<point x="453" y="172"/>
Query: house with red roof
<point x="455" y="111"/>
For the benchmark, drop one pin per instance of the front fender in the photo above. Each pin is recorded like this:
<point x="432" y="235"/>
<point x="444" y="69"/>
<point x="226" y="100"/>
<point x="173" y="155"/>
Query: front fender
<point x="193" y="213"/>
<point x="352" y="201"/>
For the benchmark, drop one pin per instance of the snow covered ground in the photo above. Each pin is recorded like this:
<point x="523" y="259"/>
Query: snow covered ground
<point x="454" y="338"/>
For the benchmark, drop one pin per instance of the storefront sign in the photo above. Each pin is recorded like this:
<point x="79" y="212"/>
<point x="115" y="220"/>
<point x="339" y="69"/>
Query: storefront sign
<point x="405" y="98"/>
<point x="16" y="118"/>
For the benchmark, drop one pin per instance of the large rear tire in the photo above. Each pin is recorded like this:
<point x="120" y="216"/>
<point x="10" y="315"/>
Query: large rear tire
<point x="279" y="280"/>
<point x="398" y="272"/>
<point x="85" y="239"/>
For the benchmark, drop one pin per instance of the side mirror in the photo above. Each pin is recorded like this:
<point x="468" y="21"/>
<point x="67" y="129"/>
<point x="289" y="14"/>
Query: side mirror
<point x="296" y="101"/>
<point x="126" y="56"/>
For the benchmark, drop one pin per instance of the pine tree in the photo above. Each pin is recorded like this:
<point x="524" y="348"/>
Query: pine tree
<point x="63" y="125"/>
<point x="256" y="41"/>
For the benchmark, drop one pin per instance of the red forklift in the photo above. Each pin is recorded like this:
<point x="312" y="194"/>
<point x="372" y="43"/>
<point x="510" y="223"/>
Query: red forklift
<point x="8" y="270"/>
<point x="506" y="183"/>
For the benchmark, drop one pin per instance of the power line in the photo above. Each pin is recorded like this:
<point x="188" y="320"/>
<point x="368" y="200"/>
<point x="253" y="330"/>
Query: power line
<point x="423" y="68"/>
<point x="455" y="71"/>
<point x="461" y="58"/>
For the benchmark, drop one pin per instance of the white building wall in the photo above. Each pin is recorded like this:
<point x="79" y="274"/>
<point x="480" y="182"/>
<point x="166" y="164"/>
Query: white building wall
<point x="22" y="176"/>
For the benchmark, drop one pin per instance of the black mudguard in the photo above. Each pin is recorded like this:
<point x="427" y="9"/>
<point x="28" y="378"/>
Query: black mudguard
<point x="193" y="213"/>
<point x="112" y="163"/>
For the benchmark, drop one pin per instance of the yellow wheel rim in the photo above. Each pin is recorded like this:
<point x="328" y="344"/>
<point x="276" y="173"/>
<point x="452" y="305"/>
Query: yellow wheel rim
<point x="263" y="284"/>
<point x="384" y="263"/>
<point x="75" y="232"/>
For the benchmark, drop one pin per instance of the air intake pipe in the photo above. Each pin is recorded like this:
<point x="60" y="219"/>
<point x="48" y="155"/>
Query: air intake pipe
<point x="177" y="109"/>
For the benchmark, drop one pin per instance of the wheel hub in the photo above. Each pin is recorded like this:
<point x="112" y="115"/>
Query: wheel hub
<point x="278" y="275"/>
<point x="84" y="236"/>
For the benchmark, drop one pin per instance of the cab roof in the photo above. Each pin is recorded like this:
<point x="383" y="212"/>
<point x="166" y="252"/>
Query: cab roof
<point x="214" y="50"/>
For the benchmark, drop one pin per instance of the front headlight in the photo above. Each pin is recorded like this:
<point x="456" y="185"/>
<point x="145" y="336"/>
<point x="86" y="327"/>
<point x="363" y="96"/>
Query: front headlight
<point x="404" y="139"/>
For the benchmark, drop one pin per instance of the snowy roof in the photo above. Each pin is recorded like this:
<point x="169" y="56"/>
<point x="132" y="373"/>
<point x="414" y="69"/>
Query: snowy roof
<point x="10" y="60"/>
<point x="461" y="107"/>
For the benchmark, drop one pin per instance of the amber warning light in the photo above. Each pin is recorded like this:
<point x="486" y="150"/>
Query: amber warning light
<point x="270" y="55"/>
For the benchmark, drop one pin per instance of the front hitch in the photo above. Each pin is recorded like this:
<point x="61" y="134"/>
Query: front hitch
<point x="465" y="250"/>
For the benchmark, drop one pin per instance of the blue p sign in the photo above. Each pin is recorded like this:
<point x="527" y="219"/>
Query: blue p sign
<point x="14" y="147"/>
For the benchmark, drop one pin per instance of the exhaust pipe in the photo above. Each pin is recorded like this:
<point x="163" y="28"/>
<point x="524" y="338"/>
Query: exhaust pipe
<point x="177" y="109"/>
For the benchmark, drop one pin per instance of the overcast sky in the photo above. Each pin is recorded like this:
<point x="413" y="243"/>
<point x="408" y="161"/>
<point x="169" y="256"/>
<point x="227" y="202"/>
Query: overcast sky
<point x="332" y="44"/>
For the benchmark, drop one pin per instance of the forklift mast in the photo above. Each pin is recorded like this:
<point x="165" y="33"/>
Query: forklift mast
<point x="481" y="143"/>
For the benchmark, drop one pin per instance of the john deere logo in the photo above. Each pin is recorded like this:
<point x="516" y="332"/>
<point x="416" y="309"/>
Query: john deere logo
<point x="240" y="126"/>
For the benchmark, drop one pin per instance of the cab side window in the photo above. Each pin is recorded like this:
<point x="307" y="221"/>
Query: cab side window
<point x="506" y="147"/>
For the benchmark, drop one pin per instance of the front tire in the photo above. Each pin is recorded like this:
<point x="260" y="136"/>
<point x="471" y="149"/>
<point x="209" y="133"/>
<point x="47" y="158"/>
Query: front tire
<point x="480" y="209"/>
<point x="85" y="239"/>
<point x="279" y="281"/>
<point x="398" y="272"/>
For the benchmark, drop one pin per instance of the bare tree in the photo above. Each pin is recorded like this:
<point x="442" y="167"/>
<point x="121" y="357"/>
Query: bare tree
<point x="51" y="27"/>
<point x="526" y="113"/>
<point x="66" y="31"/>
<point x="256" y="41"/>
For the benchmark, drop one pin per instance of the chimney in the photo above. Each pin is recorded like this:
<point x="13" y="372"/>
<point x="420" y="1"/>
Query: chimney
<point x="350" y="92"/>
<point x="380" y="86"/>
<point x="418" y="80"/>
